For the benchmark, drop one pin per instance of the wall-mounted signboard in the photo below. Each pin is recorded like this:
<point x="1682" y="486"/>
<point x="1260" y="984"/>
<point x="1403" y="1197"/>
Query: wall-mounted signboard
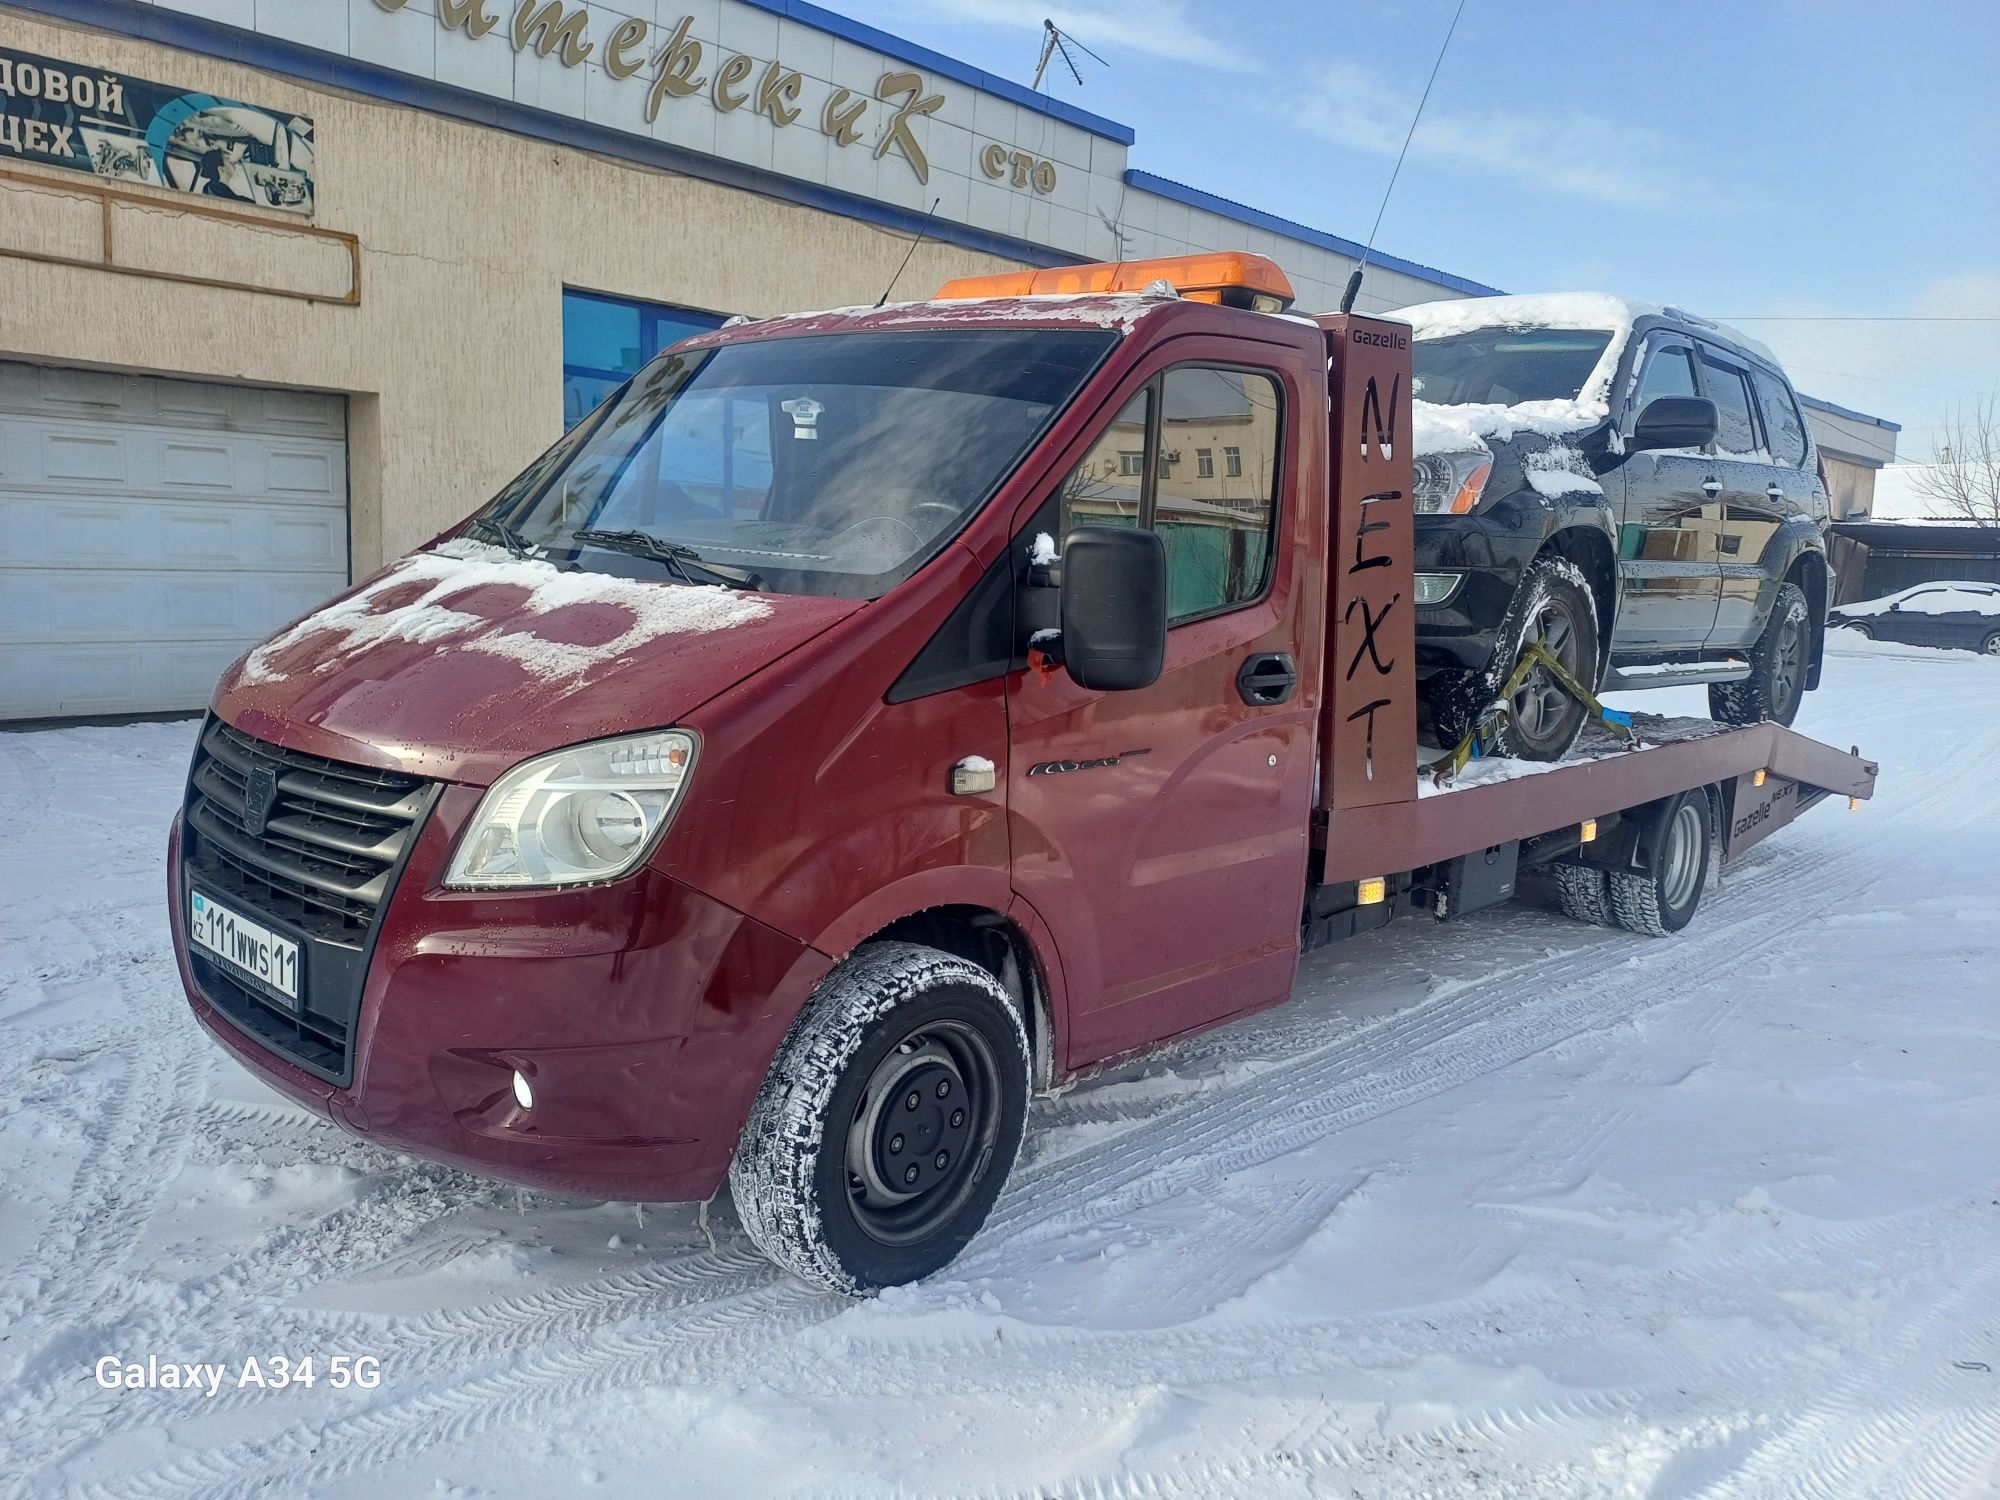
<point x="127" y="129"/>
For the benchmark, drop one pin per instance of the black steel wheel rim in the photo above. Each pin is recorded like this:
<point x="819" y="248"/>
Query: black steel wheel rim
<point x="923" y="1131"/>
<point x="1541" y="707"/>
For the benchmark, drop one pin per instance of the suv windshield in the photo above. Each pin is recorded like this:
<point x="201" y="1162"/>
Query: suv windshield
<point x="1506" y="366"/>
<point x="831" y="464"/>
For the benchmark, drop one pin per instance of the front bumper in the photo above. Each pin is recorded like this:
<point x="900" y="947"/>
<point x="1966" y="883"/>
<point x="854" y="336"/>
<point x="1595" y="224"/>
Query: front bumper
<point x="1488" y="553"/>
<point x="644" y="1014"/>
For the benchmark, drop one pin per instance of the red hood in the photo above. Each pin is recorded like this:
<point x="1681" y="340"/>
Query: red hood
<point x="459" y="662"/>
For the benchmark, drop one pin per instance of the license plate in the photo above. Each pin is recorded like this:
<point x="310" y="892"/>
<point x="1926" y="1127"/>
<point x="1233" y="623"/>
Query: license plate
<point x="247" y="947"/>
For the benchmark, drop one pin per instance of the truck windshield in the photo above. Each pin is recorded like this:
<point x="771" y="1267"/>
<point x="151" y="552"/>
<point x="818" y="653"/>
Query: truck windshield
<point x="1506" y="366"/>
<point x="832" y="464"/>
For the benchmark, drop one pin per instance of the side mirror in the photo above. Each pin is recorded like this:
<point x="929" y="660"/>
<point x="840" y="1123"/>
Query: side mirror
<point x="1675" y="422"/>
<point x="1114" y="607"/>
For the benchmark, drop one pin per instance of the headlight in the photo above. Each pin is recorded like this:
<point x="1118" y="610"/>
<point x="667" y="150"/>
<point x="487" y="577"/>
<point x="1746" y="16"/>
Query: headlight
<point x="1450" y="481"/>
<point x="591" y="812"/>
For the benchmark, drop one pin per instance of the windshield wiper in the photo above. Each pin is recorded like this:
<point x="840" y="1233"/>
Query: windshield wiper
<point x="501" y="532"/>
<point x="684" y="561"/>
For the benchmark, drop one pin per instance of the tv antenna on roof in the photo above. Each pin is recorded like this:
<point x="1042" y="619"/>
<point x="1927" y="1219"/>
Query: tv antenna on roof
<point x="1057" y="43"/>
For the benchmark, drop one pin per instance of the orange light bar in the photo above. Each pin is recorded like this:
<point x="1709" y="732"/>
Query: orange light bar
<point x="1232" y="278"/>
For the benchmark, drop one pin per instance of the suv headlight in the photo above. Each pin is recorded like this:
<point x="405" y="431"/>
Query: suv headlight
<point x="590" y="812"/>
<point x="1450" y="481"/>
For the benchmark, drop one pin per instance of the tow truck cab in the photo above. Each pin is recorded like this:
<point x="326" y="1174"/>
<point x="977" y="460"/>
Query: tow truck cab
<point x="862" y="718"/>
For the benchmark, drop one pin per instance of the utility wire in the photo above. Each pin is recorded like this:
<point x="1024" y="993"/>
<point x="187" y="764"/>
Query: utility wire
<point x="1354" y="280"/>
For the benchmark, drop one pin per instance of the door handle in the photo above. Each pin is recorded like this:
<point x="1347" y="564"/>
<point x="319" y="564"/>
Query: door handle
<point x="1711" y="487"/>
<point x="1267" y="678"/>
<point x="1773" y="492"/>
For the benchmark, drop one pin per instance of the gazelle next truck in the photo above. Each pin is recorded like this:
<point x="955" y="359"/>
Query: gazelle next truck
<point x="862" y="720"/>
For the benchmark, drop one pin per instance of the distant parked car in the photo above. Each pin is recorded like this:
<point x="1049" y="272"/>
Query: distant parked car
<point x="1948" y="613"/>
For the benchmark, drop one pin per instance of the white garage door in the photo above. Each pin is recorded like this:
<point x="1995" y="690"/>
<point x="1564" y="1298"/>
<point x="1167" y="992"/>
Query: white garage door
<point x="151" y="529"/>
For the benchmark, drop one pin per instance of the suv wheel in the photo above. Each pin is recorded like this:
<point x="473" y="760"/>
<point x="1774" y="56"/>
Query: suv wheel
<point x="1777" y="681"/>
<point x="1553" y="605"/>
<point x="890" y="1118"/>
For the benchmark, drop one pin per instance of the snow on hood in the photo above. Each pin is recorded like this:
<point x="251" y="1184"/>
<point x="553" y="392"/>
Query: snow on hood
<point x="412" y="601"/>
<point x="1119" y="312"/>
<point x="459" y="661"/>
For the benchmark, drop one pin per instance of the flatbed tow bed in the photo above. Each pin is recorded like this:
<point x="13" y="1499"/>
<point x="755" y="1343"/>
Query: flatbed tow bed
<point x="1387" y="839"/>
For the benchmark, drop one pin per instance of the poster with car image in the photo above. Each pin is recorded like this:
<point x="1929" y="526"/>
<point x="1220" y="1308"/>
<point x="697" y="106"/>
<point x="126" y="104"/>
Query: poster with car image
<point x="127" y="129"/>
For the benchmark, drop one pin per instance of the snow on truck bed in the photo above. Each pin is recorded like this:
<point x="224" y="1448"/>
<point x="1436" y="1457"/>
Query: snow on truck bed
<point x="1502" y="1207"/>
<point x="1595" y="743"/>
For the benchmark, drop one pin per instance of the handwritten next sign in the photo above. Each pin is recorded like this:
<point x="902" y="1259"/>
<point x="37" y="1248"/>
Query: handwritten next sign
<point x="674" y="65"/>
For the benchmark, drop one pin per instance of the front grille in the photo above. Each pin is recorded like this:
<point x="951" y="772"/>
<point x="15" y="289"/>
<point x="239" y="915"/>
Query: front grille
<point x="320" y="870"/>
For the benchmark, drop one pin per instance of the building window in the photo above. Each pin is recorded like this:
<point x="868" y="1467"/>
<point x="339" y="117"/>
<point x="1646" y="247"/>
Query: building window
<point x="1204" y="463"/>
<point x="607" y="339"/>
<point x="1232" y="462"/>
<point x="1128" y="462"/>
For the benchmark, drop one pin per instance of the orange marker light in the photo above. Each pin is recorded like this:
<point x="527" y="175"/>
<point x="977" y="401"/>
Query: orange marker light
<point x="1758" y="778"/>
<point x="1370" y="891"/>
<point x="1231" y="278"/>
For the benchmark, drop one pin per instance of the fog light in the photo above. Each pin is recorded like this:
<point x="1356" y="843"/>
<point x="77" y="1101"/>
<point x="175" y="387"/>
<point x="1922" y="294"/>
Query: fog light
<point x="1370" y="892"/>
<point x="1757" y="778"/>
<point x="523" y="1095"/>
<point x="1435" y="588"/>
<point x="1586" y="833"/>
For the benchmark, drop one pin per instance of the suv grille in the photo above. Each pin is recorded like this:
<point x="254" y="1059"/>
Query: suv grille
<point x="319" y="870"/>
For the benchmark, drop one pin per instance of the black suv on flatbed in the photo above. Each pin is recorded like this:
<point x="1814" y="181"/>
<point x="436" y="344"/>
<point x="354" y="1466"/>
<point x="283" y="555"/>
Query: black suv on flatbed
<point x="1634" y="487"/>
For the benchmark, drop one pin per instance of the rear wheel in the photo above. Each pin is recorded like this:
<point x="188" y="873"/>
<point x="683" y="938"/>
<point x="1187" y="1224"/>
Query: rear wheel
<point x="1553" y="605"/>
<point x="890" y="1119"/>
<point x="1777" y="681"/>
<point x="1581" y="891"/>
<point x="1866" y="632"/>
<point x="1664" y="900"/>
<point x="1991" y="645"/>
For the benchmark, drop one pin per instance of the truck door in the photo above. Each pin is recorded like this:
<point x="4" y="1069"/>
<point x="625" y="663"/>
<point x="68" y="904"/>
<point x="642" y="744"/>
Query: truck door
<point x="1670" y="523"/>
<point x="1162" y="833"/>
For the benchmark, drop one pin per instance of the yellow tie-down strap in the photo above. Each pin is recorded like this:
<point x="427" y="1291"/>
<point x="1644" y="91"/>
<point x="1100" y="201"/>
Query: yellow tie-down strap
<point x="1533" y="655"/>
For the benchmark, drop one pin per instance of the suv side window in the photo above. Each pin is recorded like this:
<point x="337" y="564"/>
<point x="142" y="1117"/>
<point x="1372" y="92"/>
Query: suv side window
<point x="1782" y="421"/>
<point x="1217" y="527"/>
<point x="1729" y="389"/>
<point x="1669" y="372"/>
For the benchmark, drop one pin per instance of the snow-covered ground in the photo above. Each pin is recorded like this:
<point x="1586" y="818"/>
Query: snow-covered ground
<point x="1506" y="1207"/>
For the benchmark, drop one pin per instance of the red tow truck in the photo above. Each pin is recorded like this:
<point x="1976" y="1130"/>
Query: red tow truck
<point x="863" y="720"/>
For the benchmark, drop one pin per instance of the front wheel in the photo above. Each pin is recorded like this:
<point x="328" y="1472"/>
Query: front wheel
<point x="1866" y="632"/>
<point x="1553" y="605"/>
<point x="1777" y="681"/>
<point x="1991" y="645"/>
<point x="889" y="1120"/>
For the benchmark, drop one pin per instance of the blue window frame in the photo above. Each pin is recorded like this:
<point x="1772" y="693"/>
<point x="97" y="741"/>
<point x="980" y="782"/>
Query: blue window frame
<point x="607" y="339"/>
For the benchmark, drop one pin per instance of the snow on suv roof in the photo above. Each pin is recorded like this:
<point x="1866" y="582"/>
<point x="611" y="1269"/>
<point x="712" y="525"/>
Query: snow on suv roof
<point x="1432" y="320"/>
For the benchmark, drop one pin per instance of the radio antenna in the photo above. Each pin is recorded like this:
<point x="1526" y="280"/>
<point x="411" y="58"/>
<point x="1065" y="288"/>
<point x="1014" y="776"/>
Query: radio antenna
<point x="1354" y="279"/>
<point x="908" y="253"/>
<point x="1056" y="43"/>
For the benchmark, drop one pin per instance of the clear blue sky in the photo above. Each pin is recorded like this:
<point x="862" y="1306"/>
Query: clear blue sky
<point x="1827" y="158"/>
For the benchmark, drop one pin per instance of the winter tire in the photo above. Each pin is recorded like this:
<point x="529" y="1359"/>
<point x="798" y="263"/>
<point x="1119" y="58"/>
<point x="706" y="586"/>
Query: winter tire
<point x="889" y="1120"/>
<point x="1553" y="605"/>
<point x="1580" y="890"/>
<point x="1778" y="663"/>
<point x="1664" y="901"/>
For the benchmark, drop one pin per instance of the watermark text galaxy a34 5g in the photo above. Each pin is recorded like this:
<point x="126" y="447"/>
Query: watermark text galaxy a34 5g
<point x="209" y="1378"/>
